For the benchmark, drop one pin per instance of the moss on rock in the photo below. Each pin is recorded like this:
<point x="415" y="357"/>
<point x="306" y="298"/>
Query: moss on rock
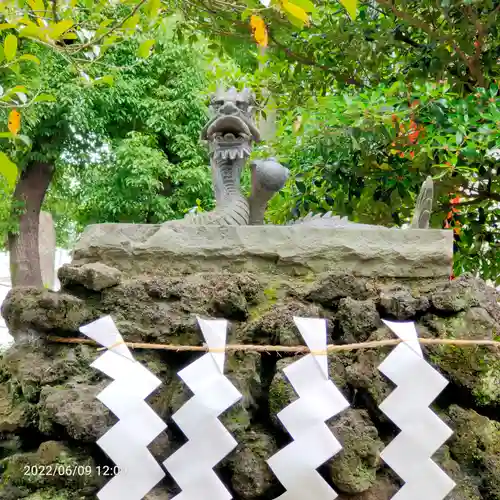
<point x="251" y="476"/>
<point x="476" y="446"/>
<point x="48" y="391"/>
<point x="354" y="469"/>
<point x="276" y="326"/>
<point x="474" y="369"/>
<point x="401" y="304"/>
<point x="13" y="417"/>
<point x="76" y="410"/>
<point x="53" y="467"/>
<point x="329" y="288"/>
<point x="357" y="319"/>
<point x="281" y="392"/>
<point x="384" y="488"/>
<point x="41" y="310"/>
<point x="466" y="486"/>
<point x="464" y="293"/>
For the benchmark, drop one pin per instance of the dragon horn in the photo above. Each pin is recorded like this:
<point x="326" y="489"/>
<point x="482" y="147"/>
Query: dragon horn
<point x="423" y="206"/>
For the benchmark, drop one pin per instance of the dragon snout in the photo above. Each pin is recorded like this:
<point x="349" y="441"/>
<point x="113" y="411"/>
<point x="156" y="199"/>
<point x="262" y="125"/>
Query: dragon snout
<point x="229" y="108"/>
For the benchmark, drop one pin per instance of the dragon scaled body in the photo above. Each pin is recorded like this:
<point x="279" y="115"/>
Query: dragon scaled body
<point x="231" y="133"/>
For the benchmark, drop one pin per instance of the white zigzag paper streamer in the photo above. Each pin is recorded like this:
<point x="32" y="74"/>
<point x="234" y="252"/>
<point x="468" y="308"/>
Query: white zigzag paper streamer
<point x="319" y="400"/>
<point x="208" y="440"/>
<point x="126" y="442"/>
<point x="422" y="431"/>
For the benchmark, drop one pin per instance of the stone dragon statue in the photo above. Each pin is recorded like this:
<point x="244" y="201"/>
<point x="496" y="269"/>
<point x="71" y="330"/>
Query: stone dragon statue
<point x="230" y="133"/>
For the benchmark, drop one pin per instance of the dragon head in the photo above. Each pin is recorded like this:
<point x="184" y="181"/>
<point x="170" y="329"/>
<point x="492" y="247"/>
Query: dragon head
<point x="231" y="128"/>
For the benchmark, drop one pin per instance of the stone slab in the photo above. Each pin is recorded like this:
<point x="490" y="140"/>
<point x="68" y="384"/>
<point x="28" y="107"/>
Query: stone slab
<point x="168" y="249"/>
<point x="47" y="249"/>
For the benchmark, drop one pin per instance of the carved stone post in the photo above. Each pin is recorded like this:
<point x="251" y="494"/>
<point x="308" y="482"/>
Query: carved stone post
<point x="47" y="249"/>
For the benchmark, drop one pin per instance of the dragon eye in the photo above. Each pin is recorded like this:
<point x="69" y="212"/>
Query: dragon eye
<point x="242" y="104"/>
<point x="217" y="103"/>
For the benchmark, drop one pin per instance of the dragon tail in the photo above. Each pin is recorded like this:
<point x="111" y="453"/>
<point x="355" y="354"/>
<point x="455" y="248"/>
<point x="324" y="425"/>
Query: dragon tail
<point x="423" y="206"/>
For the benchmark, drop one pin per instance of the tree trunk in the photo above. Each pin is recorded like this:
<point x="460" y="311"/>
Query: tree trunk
<point x="24" y="246"/>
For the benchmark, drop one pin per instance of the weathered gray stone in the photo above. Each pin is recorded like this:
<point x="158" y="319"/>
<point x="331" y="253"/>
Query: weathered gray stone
<point x="474" y="369"/>
<point x="354" y="469"/>
<point x="76" y="410"/>
<point x="330" y="288"/>
<point x="158" y="494"/>
<point x="30" y="367"/>
<point x="43" y="310"/>
<point x="51" y="388"/>
<point x="94" y="276"/>
<point x="12" y="416"/>
<point x="357" y="319"/>
<point x="476" y="445"/>
<point x="162" y="249"/>
<point x="276" y="325"/>
<point x="464" y="292"/>
<point x="401" y="304"/>
<point x="252" y="476"/>
<point x="466" y="486"/>
<point x="383" y="489"/>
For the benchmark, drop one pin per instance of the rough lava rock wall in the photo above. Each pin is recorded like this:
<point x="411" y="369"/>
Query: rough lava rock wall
<point x="49" y="413"/>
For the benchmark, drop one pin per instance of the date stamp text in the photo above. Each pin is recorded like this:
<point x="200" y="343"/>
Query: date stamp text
<point x="69" y="470"/>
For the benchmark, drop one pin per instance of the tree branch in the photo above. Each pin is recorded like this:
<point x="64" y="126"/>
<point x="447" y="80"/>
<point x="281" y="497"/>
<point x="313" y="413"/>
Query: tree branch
<point x="482" y="196"/>
<point x="113" y="29"/>
<point x="482" y="31"/>
<point x="417" y="23"/>
<point x="297" y="57"/>
<point x="54" y="11"/>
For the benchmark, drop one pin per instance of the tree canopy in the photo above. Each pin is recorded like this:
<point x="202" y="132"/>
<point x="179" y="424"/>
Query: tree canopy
<point x="149" y="165"/>
<point x="368" y="98"/>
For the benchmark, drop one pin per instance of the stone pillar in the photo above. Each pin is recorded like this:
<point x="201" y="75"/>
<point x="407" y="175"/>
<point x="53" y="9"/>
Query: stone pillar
<point x="47" y="249"/>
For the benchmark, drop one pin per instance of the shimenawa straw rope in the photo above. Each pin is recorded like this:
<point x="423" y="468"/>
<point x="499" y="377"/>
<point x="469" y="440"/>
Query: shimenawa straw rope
<point x="278" y="348"/>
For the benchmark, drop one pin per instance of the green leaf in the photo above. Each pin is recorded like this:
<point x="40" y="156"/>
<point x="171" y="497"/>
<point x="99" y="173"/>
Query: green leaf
<point x="10" y="47"/>
<point x="108" y="41"/>
<point x="153" y="8"/>
<point x="8" y="170"/>
<point x="25" y="139"/>
<point x="107" y="80"/>
<point x="351" y="6"/>
<point x="15" y="68"/>
<point x="44" y="98"/>
<point x="60" y="28"/>
<point x="246" y="14"/>
<point x="131" y="23"/>
<point x="32" y="31"/>
<point x="38" y="7"/>
<point x="296" y="15"/>
<point x="18" y="88"/>
<point x="459" y="137"/>
<point x="144" y="49"/>
<point x="307" y="5"/>
<point x="293" y="20"/>
<point x="29" y="57"/>
<point x="14" y="90"/>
